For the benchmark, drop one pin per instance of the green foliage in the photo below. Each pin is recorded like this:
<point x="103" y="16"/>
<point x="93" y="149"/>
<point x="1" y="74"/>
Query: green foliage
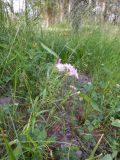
<point x="9" y="150"/>
<point x="116" y="123"/>
<point x="67" y="153"/>
<point x="107" y="157"/>
<point x="28" y="74"/>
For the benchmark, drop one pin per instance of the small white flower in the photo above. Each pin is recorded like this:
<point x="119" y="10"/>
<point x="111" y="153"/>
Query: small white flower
<point x="16" y="104"/>
<point x="89" y="83"/>
<point x="77" y="93"/>
<point x="81" y="98"/>
<point x="73" y="87"/>
<point x="118" y="85"/>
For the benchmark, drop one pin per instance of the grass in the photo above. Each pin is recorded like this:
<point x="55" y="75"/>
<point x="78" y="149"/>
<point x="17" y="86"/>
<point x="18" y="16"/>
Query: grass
<point x="48" y="110"/>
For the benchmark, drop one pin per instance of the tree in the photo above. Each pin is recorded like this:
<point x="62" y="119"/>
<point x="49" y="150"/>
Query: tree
<point x="26" y="12"/>
<point x="50" y="10"/>
<point x="77" y="7"/>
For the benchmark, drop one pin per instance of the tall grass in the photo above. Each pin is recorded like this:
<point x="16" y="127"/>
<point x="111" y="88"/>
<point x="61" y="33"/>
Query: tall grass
<point x="28" y="75"/>
<point x="90" y="49"/>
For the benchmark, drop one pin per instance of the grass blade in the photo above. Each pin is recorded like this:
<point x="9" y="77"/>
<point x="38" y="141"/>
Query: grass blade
<point x="49" y="50"/>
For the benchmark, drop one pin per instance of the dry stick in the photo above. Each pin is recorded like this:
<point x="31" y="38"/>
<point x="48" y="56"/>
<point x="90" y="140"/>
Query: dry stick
<point x="95" y="148"/>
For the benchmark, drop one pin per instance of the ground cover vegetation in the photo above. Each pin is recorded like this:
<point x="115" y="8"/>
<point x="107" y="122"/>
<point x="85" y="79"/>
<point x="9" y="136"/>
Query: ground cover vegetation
<point x="52" y="109"/>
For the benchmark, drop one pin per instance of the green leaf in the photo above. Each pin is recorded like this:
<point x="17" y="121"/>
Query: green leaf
<point x="107" y="157"/>
<point x="117" y="109"/>
<point x="41" y="135"/>
<point x="114" y="154"/>
<point x="18" y="151"/>
<point x="9" y="150"/>
<point x="95" y="106"/>
<point x="49" y="50"/>
<point x="85" y="97"/>
<point x="116" y="123"/>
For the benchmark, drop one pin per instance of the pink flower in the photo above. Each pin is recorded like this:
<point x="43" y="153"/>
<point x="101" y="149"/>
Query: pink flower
<point x="60" y="66"/>
<point x="70" y="69"/>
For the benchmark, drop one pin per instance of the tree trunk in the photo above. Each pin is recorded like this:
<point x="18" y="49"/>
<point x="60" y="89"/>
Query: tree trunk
<point x="105" y="10"/>
<point x="11" y="6"/>
<point x="26" y="12"/>
<point x="66" y="6"/>
<point x="75" y="14"/>
<point x="61" y="6"/>
<point x="50" y="14"/>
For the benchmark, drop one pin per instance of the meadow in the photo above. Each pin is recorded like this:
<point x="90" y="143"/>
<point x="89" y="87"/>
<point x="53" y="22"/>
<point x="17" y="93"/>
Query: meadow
<point x="47" y="114"/>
